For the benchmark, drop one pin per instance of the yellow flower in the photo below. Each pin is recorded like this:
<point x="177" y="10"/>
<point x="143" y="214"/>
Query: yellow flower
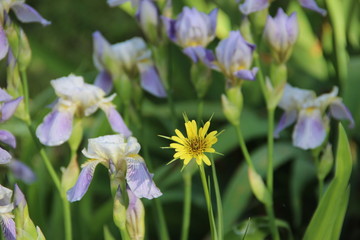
<point x="195" y="145"/>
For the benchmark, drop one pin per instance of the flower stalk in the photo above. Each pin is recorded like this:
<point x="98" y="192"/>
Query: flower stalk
<point x="49" y="167"/>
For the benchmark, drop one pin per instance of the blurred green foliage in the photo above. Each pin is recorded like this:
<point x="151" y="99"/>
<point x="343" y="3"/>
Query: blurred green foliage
<point x="66" y="47"/>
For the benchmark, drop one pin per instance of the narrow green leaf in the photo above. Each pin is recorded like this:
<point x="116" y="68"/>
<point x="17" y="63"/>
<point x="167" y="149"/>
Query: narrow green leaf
<point x="328" y="217"/>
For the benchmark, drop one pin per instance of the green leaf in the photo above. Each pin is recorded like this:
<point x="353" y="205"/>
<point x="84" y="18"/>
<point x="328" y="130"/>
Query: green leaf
<point x="107" y="234"/>
<point x="256" y="229"/>
<point x="327" y="220"/>
<point x="238" y="192"/>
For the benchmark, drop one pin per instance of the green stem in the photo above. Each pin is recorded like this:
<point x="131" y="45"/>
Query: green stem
<point x="321" y="188"/>
<point x="49" y="167"/>
<point x="220" y="221"/>
<point x="260" y="76"/>
<point x="187" y="177"/>
<point x="270" y="173"/>
<point x="273" y="228"/>
<point x="26" y="89"/>
<point x="124" y="234"/>
<point x="243" y="147"/>
<point x="163" y="232"/>
<point x="200" y="110"/>
<point x="208" y="202"/>
<point x="55" y="179"/>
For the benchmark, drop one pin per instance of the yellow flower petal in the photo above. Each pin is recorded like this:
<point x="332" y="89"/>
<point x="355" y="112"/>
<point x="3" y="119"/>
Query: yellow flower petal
<point x="206" y="160"/>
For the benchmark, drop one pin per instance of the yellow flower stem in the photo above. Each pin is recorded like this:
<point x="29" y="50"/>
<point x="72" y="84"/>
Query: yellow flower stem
<point x="187" y="177"/>
<point x="220" y="221"/>
<point x="208" y="202"/>
<point x="200" y="110"/>
<point x="49" y="167"/>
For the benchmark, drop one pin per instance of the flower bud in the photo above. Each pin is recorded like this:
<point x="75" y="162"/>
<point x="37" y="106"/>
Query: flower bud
<point x="232" y="104"/>
<point x="148" y="16"/>
<point x="135" y="217"/>
<point x="70" y="174"/>
<point x="258" y="187"/>
<point x="234" y="59"/>
<point x="326" y="163"/>
<point x="281" y="33"/>
<point x="24" y="56"/>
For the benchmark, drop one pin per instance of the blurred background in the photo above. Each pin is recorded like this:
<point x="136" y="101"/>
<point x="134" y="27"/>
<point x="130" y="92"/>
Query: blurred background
<point x="65" y="47"/>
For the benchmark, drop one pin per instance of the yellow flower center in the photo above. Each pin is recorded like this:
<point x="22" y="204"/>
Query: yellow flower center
<point x="195" y="145"/>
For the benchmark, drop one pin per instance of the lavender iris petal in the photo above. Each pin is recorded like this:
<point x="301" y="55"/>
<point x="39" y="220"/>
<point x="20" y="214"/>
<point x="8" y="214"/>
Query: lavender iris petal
<point x="27" y="14"/>
<point x="310" y="130"/>
<point x="140" y="180"/>
<point x="7" y="138"/>
<point x="56" y="128"/>
<point x="83" y="182"/>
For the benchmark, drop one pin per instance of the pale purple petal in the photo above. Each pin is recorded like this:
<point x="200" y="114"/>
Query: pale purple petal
<point x="310" y="130"/>
<point x="311" y="4"/>
<point x="115" y="3"/>
<point x="213" y="20"/>
<point x="140" y="180"/>
<point x="4" y="44"/>
<point x="339" y="111"/>
<point x="292" y="28"/>
<point x="250" y="6"/>
<point x="83" y="182"/>
<point x="5" y="157"/>
<point x="150" y="81"/>
<point x="104" y="81"/>
<point x="201" y="54"/>
<point x="22" y="171"/>
<point x="19" y="198"/>
<point x="27" y="14"/>
<point x="170" y="28"/>
<point x="9" y="107"/>
<point x="101" y="48"/>
<point x="4" y="96"/>
<point x="8" y="227"/>
<point x="286" y="120"/>
<point x="247" y="74"/>
<point x="116" y="121"/>
<point x="8" y="138"/>
<point x="56" y="128"/>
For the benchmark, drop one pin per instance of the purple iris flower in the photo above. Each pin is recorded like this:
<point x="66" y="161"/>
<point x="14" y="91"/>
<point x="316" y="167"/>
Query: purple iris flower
<point x="6" y="217"/>
<point x="308" y="111"/>
<point x="131" y="57"/>
<point x="281" y="33"/>
<point x="120" y="155"/>
<point x="250" y="6"/>
<point x="193" y="30"/>
<point x="23" y="12"/>
<point x="79" y="99"/>
<point x="234" y="58"/>
<point x="8" y="107"/>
